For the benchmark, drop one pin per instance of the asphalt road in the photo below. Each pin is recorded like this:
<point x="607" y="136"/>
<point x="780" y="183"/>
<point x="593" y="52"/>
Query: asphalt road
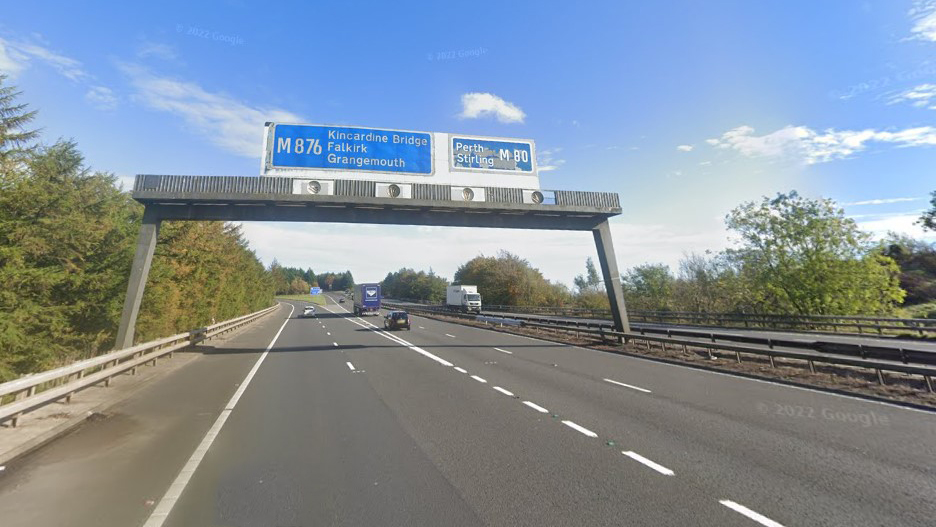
<point x="344" y="424"/>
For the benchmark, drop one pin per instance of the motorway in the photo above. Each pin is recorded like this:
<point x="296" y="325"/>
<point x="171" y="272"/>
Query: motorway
<point x="331" y="421"/>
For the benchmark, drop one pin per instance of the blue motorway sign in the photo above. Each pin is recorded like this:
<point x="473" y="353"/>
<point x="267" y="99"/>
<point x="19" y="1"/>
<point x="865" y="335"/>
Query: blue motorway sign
<point x="315" y="291"/>
<point x="491" y="154"/>
<point x="339" y="147"/>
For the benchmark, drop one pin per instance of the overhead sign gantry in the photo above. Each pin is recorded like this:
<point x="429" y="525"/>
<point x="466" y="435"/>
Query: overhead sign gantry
<point x="346" y="174"/>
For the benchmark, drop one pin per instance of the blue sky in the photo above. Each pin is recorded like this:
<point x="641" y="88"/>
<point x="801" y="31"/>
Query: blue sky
<point x="684" y="108"/>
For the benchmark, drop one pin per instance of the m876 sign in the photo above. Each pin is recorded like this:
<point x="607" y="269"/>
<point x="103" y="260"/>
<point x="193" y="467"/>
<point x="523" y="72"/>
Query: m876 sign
<point x="344" y="148"/>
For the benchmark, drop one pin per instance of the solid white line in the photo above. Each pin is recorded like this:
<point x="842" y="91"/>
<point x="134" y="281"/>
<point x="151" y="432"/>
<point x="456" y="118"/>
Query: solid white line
<point x="639" y="389"/>
<point x="581" y="429"/>
<point x="759" y="518"/>
<point x="447" y="335"/>
<point x="350" y="366"/>
<point x="503" y="391"/>
<point x="655" y="466"/>
<point x="504" y="351"/>
<point x="169" y="499"/>
<point x="462" y="370"/>
<point x="398" y="340"/>
<point x="536" y="407"/>
<point x="479" y="379"/>
<point x="425" y="353"/>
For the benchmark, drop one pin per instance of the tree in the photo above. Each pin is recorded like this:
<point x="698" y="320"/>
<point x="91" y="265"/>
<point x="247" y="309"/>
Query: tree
<point x="510" y="280"/>
<point x="917" y="262"/>
<point x="804" y="256"/>
<point x="590" y="281"/>
<point x="649" y="286"/>
<point x="409" y="284"/>
<point x="928" y="219"/>
<point x="66" y="242"/>
<point x="280" y="280"/>
<point x="13" y="120"/>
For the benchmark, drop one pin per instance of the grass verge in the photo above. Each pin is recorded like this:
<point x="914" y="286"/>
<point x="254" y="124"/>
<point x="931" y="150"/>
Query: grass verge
<point x="316" y="299"/>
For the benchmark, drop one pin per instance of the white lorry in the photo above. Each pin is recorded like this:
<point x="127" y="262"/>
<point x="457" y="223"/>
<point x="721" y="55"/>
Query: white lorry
<point x="464" y="298"/>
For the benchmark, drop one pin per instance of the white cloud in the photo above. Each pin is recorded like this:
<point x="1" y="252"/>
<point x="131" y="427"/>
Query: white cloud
<point x="817" y="147"/>
<point x="884" y="201"/>
<point x="101" y="98"/>
<point x="705" y="163"/>
<point x="157" y="50"/>
<point x="231" y="124"/>
<point x="16" y="56"/>
<point x="685" y="148"/>
<point x="922" y="96"/>
<point x="546" y="159"/>
<point x="923" y="15"/>
<point x="12" y="62"/>
<point x="476" y="105"/>
<point x="560" y="255"/>
<point x="902" y="223"/>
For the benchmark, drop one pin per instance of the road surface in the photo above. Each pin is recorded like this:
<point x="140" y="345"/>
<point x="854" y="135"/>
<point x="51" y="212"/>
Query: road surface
<point x="344" y="424"/>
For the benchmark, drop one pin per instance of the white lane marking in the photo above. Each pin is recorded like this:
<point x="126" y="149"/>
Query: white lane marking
<point x="420" y="327"/>
<point x="759" y="518"/>
<point x="504" y="351"/>
<point x="335" y="343"/>
<point x="581" y="429"/>
<point x="536" y="407"/>
<point x="479" y="379"/>
<point x="350" y="366"/>
<point x="169" y="499"/>
<point x="328" y="333"/>
<point x="462" y="370"/>
<point x="447" y="335"/>
<point x="503" y="391"/>
<point x="655" y="466"/>
<point x="398" y="340"/>
<point x="639" y="389"/>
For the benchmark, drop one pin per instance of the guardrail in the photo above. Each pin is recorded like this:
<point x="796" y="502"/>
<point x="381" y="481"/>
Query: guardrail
<point x="878" y="358"/>
<point x="898" y="353"/>
<point x="29" y="393"/>
<point x="812" y="323"/>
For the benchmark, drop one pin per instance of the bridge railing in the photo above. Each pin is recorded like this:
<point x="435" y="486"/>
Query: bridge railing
<point x="23" y="395"/>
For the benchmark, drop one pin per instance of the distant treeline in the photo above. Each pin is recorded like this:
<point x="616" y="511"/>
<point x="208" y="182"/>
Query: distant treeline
<point x="295" y="281"/>
<point x="794" y="256"/>
<point x="67" y="237"/>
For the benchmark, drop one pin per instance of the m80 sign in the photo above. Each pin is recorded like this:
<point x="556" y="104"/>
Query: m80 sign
<point x="491" y="154"/>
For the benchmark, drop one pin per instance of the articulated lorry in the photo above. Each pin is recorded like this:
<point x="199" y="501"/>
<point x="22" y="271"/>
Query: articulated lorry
<point x="366" y="299"/>
<point x="464" y="298"/>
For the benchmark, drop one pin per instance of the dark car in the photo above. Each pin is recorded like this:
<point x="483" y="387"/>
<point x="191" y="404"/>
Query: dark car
<point x="341" y="300"/>
<point x="397" y="320"/>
